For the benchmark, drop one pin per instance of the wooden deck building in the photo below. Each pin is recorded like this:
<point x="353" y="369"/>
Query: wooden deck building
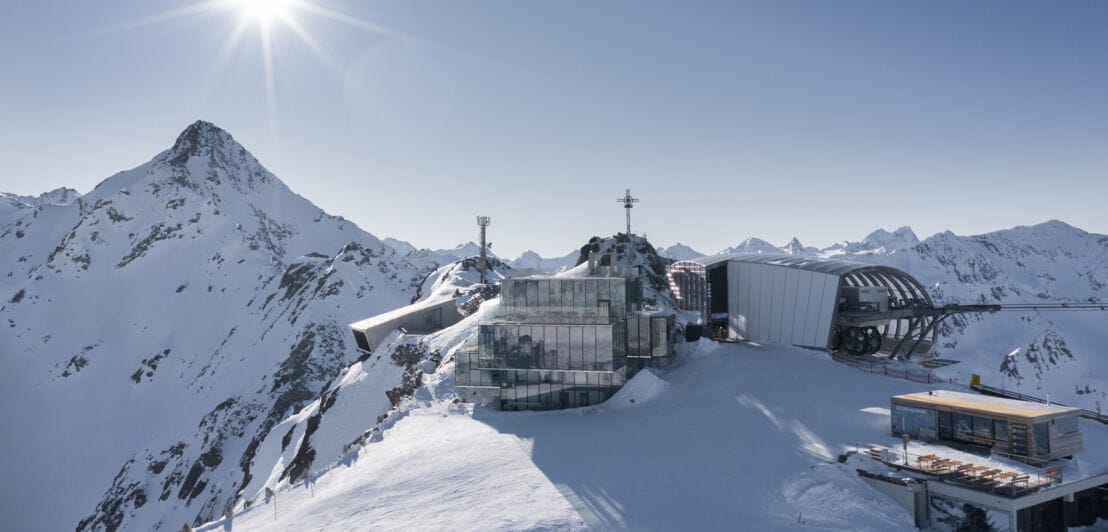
<point x="1020" y="428"/>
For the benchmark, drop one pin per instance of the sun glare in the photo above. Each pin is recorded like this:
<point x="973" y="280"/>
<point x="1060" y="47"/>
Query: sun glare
<point x="268" y="18"/>
<point x="263" y="10"/>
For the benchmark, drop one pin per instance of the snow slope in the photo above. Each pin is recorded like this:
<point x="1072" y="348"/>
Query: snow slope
<point x="733" y="436"/>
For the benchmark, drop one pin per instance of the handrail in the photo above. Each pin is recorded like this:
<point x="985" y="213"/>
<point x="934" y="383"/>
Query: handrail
<point x="1000" y="392"/>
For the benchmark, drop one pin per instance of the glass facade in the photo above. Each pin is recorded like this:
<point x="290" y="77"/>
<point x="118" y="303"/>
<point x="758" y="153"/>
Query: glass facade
<point x="547" y="346"/>
<point x="648" y="336"/>
<point x="1066" y="425"/>
<point x="1042" y="439"/>
<point x="955" y="426"/>
<point x="916" y="422"/>
<point x="558" y="300"/>
<point x="562" y="342"/>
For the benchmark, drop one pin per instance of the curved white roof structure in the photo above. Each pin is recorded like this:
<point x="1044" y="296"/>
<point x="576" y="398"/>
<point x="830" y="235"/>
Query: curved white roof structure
<point x="805" y="301"/>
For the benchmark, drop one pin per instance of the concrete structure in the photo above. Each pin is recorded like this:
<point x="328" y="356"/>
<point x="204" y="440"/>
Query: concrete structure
<point x="1019" y="428"/>
<point x="561" y="342"/>
<point x="419" y="317"/>
<point x="807" y="302"/>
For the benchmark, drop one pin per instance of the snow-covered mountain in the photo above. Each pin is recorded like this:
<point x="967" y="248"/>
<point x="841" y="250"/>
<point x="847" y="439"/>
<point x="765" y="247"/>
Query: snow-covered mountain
<point x="58" y="196"/>
<point x="402" y="247"/>
<point x="431" y="259"/>
<point x="879" y="241"/>
<point x="13" y="207"/>
<point x="461" y="251"/>
<point x="175" y="343"/>
<point x="794" y="247"/>
<point x="753" y="245"/>
<point x="531" y="260"/>
<point x="157" y="328"/>
<point x="679" y="251"/>
<point x="1061" y="352"/>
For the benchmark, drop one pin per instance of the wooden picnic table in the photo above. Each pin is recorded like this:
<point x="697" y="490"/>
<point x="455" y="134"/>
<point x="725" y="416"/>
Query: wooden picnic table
<point x="988" y="476"/>
<point x="964" y="470"/>
<point x="947" y="465"/>
<point x="976" y="470"/>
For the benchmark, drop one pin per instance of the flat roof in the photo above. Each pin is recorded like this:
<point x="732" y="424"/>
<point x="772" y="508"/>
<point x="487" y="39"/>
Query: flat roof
<point x="814" y="264"/>
<point x="986" y="404"/>
<point x="402" y="312"/>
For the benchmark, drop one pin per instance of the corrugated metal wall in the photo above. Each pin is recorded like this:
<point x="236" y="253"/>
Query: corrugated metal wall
<point x="777" y="304"/>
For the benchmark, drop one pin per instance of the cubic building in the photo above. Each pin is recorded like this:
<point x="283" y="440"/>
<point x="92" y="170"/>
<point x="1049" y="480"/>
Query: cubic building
<point x="561" y="342"/>
<point x="1020" y="428"/>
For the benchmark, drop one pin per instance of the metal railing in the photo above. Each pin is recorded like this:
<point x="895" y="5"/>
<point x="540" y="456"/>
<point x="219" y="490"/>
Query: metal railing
<point x="1000" y="392"/>
<point x="1025" y="482"/>
<point x="920" y="375"/>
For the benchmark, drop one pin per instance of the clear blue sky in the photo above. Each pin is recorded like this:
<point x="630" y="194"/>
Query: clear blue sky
<point x="822" y="120"/>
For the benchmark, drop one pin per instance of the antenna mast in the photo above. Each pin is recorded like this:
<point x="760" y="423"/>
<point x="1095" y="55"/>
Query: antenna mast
<point x="628" y="202"/>
<point x="483" y="262"/>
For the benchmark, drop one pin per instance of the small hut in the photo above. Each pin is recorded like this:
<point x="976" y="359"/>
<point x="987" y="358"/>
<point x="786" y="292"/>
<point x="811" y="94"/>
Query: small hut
<point x="1021" y="428"/>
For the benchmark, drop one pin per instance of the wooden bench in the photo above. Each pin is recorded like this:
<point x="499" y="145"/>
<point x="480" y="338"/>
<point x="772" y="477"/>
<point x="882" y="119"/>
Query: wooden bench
<point x="980" y="439"/>
<point x="965" y="470"/>
<point x="945" y="466"/>
<point x="976" y="470"/>
<point x="989" y="475"/>
<point x="1006" y="476"/>
<point x="1018" y="480"/>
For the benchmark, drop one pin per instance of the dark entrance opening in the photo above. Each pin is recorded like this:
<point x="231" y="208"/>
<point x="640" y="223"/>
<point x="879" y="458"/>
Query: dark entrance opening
<point x="1046" y="516"/>
<point x="717" y="301"/>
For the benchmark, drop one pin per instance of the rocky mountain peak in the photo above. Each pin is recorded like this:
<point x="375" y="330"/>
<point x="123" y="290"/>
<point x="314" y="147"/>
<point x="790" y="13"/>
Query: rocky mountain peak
<point x="200" y="135"/>
<point x="204" y="149"/>
<point x="679" y="251"/>
<point x="754" y="245"/>
<point x="901" y="238"/>
<point x="794" y="247"/>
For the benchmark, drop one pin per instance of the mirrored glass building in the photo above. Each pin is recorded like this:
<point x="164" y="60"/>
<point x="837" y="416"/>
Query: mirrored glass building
<point x="562" y="343"/>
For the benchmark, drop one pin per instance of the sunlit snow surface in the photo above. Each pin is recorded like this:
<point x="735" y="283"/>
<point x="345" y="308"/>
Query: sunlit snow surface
<point x="735" y="436"/>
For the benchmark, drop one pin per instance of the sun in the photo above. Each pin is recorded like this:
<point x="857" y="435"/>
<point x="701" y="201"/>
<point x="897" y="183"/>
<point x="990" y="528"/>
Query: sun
<point x="263" y="10"/>
<point x="268" y="19"/>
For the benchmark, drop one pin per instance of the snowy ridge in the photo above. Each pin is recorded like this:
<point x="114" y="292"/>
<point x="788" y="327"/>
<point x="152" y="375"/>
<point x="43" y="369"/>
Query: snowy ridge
<point x="753" y="245"/>
<point x="203" y="302"/>
<point x="679" y="251"/>
<point x="794" y="247"/>
<point x="879" y="241"/>
<point x="1061" y="352"/>
<point x="768" y="462"/>
<point x="530" y="259"/>
<point x="185" y="324"/>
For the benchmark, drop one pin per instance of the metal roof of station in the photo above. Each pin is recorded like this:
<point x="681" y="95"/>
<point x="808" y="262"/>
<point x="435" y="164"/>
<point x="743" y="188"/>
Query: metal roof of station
<point x="815" y="264"/>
